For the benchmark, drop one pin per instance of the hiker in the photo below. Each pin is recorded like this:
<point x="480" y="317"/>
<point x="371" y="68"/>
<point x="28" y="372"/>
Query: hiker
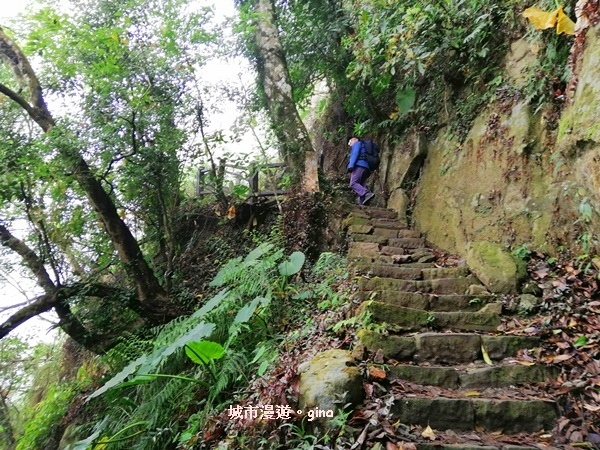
<point x="359" y="172"/>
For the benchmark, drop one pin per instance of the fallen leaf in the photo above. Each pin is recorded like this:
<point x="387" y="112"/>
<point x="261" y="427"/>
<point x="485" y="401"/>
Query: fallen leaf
<point x="580" y="341"/>
<point x="428" y="433"/>
<point x="525" y="363"/>
<point x="472" y="394"/>
<point x="231" y="212"/>
<point x="376" y="373"/>
<point x="486" y="356"/>
<point x="560" y="358"/>
<point x="407" y="446"/>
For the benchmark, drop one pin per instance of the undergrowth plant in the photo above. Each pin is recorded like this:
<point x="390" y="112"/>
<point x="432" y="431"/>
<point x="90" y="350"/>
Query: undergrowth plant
<point x="404" y="51"/>
<point x="192" y="366"/>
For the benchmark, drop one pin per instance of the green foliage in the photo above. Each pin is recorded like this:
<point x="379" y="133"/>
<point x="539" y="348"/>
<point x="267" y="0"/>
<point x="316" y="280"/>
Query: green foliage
<point x="522" y="252"/>
<point x="39" y="428"/>
<point x="328" y="274"/>
<point x="119" y="79"/>
<point x="292" y="265"/>
<point x="225" y="338"/>
<point x="313" y="31"/>
<point x="203" y="352"/>
<point x="547" y="78"/>
<point x="404" y="50"/>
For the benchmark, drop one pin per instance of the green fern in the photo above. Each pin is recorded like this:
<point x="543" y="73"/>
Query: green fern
<point x="237" y="317"/>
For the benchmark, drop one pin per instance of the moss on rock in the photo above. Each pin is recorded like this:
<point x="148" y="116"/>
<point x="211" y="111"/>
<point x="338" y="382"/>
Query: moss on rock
<point x="495" y="267"/>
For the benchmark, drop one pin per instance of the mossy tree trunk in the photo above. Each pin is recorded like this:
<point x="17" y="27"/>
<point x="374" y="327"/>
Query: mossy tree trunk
<point x="291" y="132"/>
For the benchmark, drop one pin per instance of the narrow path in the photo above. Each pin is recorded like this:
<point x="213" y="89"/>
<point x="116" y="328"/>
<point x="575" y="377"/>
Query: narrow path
<point x="435" y="328"/>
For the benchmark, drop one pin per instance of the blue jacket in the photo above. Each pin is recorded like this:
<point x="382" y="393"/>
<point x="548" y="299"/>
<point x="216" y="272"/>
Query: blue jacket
<point x="354" y="154"/>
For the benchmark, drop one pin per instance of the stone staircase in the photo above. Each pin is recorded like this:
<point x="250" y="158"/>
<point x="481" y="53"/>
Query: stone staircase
<point x="436" y="330"/>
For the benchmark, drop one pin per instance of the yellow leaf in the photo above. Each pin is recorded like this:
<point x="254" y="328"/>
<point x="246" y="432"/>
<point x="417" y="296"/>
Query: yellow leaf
<point x="564" y="23"/>
<point x="525" y="363"/>
<point x="542" y="20"/>
<point x="539" y="18"/>
<point x="472" y="394"/>
<point x="428" y="433"/>
<point x="231" y="212"/>
<point x="486" y="357"/>
<point x="552" y="18"/>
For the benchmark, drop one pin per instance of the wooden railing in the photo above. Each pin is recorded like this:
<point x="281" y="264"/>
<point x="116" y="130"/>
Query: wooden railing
<point x="239" y="174"/>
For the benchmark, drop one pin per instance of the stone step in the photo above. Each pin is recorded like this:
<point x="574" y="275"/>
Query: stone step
<point x="363" y="250"/>
<point x="506" y="416"/>
<point x="409" y="234"/>
<point x="383" y="259"/>
<point x="445" y="272"/>
<point x="428" y="302"/>
<point x="390" y="271"/>
<point x="369" y="238"/>
<point x="387" y="261"/>
<point x="402" y="272"/>
<point x="445" y="348"/>
<point x="360" y="229"/>
<point x="407" y="243"/>
<point x="374" y="212"/>
<point x="356" y="219"/>
<point x="390" y="251"/>
<point x="394" y="224"/>
<point x="500" y="446"/>
<point x="390" y="233"/>
<point x="439" y="286"/>
<point x="472" y="378"/>
<point x="410" y="319"/>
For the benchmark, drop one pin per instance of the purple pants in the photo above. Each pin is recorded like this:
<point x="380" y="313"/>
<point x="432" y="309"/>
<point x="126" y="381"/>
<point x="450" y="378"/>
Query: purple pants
<point x="358" y="179"/>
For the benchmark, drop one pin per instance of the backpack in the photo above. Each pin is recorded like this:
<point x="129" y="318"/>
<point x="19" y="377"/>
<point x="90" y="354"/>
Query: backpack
<point x="369" y="152"/>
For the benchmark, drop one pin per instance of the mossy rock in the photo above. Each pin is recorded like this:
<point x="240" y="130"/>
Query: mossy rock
<point x="496" y="268"/>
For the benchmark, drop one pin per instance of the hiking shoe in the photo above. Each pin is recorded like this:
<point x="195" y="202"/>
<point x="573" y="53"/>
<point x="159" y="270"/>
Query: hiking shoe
<point x="368" y="196"/>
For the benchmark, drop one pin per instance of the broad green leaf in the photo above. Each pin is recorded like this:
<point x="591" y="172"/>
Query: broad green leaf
<point x="258" y="252"/>
<point x="158" y="356"/>
<point x="120" y="377"/>
<point x="84" y="444"/>
<point x="246" y="312"/>
<point x="212" y="303"/>
<point x="259" y="352"/>
<point x="263" y="368"/>
<point x="405" y="100"/>
<point x="292" y="265"/>
<point x="203" y="352"/>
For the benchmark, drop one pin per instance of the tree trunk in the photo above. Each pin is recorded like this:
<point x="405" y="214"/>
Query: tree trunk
<point x="287" y="124"/>
<point x="150" y="293"/>
<point x="5" y="425"/>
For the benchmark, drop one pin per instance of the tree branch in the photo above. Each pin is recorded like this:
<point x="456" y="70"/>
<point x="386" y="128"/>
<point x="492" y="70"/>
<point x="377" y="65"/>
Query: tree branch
<point x="36" y="107"/>
<point x="69" y="323"/>
<point x="41" y="304"/>
<point x="30" y="258"/>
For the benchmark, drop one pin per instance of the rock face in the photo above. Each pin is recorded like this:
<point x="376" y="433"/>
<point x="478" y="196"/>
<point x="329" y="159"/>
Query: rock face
<point x="328" y="382"/>
<point x="520" y="176"/>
